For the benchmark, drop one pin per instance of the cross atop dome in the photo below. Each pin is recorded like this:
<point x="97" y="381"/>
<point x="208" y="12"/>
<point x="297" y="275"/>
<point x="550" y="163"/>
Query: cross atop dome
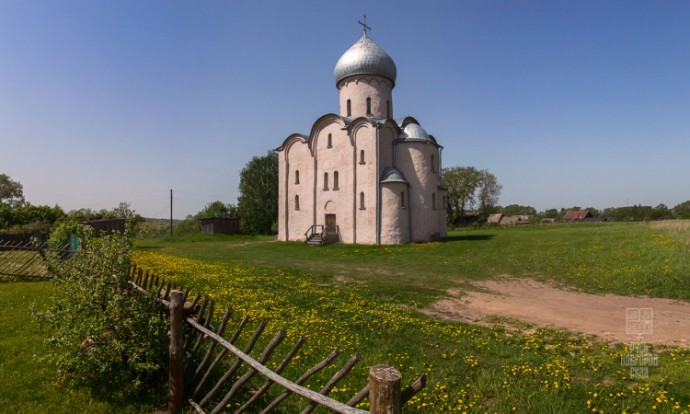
<point x="364" y="25"/>
<point x="365" y="57"/>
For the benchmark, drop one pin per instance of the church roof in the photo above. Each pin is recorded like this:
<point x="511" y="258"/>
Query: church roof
<point x="414" y="132"/>
<point x="392" y="175"/>
<point x="411" y="131"/>
<point x="365" y="57"/>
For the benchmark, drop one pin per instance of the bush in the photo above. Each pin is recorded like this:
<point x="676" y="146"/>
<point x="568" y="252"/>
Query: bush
<point x="190" y="225"/>
<point x="105" y="333"/>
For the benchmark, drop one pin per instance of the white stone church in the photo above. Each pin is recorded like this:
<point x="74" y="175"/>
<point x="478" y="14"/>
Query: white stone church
<point x="362" y="176"/>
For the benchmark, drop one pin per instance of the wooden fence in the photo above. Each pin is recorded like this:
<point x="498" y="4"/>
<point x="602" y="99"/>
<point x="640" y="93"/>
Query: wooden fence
<point x="26" y="260"/>
<point x="207" y="371"/>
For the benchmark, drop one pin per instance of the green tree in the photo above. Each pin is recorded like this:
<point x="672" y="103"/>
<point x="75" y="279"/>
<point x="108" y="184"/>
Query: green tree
<point x="11" y="192"/>
<point x="550" y="213"/>
<point x="217" y="209"/>
<point x="469" y="188"/>
<point x="636" y="212"/>
<point x="6" y="216"/>
<point x="593" y="211"/>
<point x="28" y="218"/>
<point x="488" y="193"/>
<point x="516" y="209"/>
<point x="461" y="184"/>
<point x="132" y="219"/>
<point x="662" y="211"/>
<point x="682" y="210"/>
<point x="258" y="202"/>
<point x="83" y="214"/>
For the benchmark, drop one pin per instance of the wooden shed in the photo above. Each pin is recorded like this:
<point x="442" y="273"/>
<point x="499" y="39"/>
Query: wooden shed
<point x="514" y="220"/>
<point x="218" y="225"/>
<point x="106" y="226"/>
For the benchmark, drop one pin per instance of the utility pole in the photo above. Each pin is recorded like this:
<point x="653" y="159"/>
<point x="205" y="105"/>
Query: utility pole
<point x="171" y="219"/>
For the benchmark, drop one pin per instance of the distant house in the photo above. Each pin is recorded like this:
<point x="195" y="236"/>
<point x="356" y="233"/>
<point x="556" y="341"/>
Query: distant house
<point x="494" y="218"/>
<point x="514" y="220"/>
<point x="577" y="215"/>
<point x="504" y="220"/>
<point x="218" y="225"/>
<point x="106" y="226"/>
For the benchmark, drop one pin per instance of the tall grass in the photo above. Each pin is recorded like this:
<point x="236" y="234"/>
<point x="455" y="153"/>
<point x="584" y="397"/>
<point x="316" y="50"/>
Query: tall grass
<point x="678" y="229"/>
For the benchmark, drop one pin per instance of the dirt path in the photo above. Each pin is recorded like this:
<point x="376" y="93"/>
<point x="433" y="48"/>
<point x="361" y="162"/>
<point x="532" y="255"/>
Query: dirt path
<point x="544" y="305"/>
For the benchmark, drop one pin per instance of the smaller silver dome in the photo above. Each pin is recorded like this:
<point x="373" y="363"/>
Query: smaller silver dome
<point x="392" y="175"/>
<point x="365" y="57"/>
<point x="414" y="131"/>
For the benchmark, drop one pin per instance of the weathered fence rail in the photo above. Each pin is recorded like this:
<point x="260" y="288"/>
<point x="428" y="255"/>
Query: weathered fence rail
<point x="26" y="260"/>
<point x="217" y="378"/>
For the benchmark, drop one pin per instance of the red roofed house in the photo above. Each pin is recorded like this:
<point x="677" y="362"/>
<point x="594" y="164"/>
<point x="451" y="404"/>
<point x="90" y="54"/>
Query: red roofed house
<point x="577" y="215"/>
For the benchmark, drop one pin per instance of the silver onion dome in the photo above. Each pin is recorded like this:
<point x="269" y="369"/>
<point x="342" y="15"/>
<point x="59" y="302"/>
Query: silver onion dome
<point x="365" y="57"/>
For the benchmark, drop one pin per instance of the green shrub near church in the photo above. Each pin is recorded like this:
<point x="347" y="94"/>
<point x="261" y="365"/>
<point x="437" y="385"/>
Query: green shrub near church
<point x="103" y="334"/>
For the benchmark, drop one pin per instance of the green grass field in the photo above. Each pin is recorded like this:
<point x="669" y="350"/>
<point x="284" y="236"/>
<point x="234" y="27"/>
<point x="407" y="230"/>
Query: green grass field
<point x="628" y="259"/>
<point x="363" y="299"/>
<point x="350" y="297"/>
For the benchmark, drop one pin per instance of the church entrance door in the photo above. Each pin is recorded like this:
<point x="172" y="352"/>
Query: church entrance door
<point x="330" y="223"/>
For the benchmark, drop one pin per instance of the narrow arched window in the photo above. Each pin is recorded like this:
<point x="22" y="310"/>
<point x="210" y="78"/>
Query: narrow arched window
<point x="296" y="176"/>
<point x="402" y="199"/>
<point x="368" y="106"/>
<point x="330" y="141"/>
<point x="388" y="108"/>
<point x="325" y="181"/>
<point x="433" y="163"/>
<point x="335" y="180"/>
<point x="349" y="108"/>
<point x="296" y="202"/>
<point x="361" y="201"/>
<point x="361" y="157"/>
<point x="433" y="201"/>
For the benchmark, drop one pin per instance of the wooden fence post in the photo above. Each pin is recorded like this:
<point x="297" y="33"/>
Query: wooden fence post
<point x="176" y="377"/>
<point x="384" y="390"/>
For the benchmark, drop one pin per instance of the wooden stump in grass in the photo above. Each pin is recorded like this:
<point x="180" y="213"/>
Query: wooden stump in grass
<point x="384" y="390"/>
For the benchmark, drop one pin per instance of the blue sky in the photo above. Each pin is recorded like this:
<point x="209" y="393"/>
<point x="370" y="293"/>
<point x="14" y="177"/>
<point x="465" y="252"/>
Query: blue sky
<point x="567" y="103"/>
